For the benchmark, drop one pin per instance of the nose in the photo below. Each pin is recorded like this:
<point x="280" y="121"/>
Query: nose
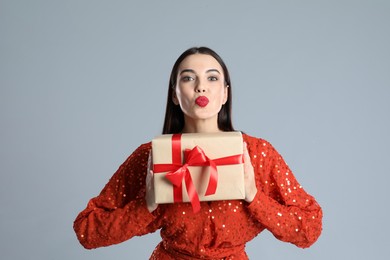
<point x="200" y="87"/>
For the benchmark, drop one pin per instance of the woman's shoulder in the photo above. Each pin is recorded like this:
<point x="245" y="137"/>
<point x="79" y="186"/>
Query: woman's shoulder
<point x="143" y="148"/>
<point x="141" y="152"/>
<point x="260" y="146"/>
<point x="252" y="140"/>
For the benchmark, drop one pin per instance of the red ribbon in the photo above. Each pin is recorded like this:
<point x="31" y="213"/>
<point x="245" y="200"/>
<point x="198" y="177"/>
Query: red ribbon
<point x="195" y="157"/>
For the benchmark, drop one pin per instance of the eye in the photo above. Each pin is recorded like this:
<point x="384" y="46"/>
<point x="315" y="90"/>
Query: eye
<point x="212" y="78"/>
<point x="187" y="78"/>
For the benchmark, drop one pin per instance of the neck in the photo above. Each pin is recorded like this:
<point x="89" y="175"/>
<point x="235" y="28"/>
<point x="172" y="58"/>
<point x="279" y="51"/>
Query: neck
<point x="201" y="125"/>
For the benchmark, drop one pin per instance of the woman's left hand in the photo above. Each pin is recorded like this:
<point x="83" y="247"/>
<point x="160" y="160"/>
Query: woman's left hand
<point x="149" y="197"/>
<point x="249" y="177"/>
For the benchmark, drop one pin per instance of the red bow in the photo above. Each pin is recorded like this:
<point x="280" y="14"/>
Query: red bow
<point x="194" y="157"/>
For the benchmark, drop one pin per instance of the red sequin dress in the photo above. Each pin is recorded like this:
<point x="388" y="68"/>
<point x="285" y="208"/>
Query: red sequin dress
<point x="220" y="230"/>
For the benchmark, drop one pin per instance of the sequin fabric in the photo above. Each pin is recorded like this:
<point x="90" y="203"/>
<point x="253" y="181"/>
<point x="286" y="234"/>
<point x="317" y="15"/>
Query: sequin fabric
<point x="220" y="230"/>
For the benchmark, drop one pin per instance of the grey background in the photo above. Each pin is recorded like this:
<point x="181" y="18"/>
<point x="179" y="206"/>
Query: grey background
<point x="83" y="83"/>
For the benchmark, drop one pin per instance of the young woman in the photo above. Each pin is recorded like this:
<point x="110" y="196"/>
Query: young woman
<point x="199" y="101"/>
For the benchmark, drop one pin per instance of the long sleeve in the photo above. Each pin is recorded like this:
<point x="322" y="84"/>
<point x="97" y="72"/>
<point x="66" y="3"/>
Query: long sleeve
<point x="281" y="204"/>
<point x="119" y="212"/>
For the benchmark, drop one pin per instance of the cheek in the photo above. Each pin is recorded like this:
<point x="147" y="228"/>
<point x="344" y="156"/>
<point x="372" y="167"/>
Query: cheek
<point x="183" y="97"/>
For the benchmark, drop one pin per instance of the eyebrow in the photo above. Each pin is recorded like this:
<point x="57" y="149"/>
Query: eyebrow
<point x="192" y="71"/>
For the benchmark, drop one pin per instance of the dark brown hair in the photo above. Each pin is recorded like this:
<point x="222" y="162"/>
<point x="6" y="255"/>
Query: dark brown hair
<point x="174" y="117"/>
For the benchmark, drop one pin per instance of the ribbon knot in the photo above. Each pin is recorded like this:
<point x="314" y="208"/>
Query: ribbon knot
<point x="194" y="157"/>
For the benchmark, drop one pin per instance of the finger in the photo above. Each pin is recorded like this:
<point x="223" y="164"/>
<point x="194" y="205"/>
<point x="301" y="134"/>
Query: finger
<point x="150" y="159"/>
<point x="149" y="176"/>
<point x="246" y="153"/>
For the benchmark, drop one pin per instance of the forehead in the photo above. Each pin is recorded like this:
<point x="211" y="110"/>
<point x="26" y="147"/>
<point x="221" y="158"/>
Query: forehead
<point x="200" y="62"/>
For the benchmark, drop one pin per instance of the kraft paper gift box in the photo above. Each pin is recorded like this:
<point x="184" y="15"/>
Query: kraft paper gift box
<point x="198" y="167"/>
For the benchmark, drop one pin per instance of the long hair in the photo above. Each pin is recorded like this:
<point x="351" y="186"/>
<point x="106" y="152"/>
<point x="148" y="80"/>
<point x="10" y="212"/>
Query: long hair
<point x="174" y="116"/>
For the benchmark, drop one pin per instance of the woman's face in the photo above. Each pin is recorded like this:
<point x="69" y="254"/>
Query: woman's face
<point x="200" y="89"/>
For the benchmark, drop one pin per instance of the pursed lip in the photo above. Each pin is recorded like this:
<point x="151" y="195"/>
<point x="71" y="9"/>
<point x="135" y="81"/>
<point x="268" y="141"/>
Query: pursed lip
<point x="202" y="101"/>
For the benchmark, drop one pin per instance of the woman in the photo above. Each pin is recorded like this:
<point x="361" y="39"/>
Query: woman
<point x="199" y="101"/>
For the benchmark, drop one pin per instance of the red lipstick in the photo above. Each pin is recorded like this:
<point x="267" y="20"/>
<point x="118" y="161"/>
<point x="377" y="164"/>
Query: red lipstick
<point x="202" y="101"/>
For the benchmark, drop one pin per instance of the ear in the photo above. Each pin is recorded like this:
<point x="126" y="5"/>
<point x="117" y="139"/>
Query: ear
<point x="174" y="98"/>
<point x="225" y="97"/>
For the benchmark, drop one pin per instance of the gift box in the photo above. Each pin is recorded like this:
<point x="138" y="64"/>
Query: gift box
<point x="198" y="167"/>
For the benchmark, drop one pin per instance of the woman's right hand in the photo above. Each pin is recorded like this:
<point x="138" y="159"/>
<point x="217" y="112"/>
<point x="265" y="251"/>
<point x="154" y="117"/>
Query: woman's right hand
<point x="249" y="176"/>
<point x="149" y="197"/>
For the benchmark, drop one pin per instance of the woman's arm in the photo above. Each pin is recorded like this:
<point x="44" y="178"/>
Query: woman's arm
<point x="281" y="204"/>
<point x="119" y="212"/>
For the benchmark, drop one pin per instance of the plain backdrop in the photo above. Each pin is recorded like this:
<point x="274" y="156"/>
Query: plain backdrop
<point x="83" y="83"/>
